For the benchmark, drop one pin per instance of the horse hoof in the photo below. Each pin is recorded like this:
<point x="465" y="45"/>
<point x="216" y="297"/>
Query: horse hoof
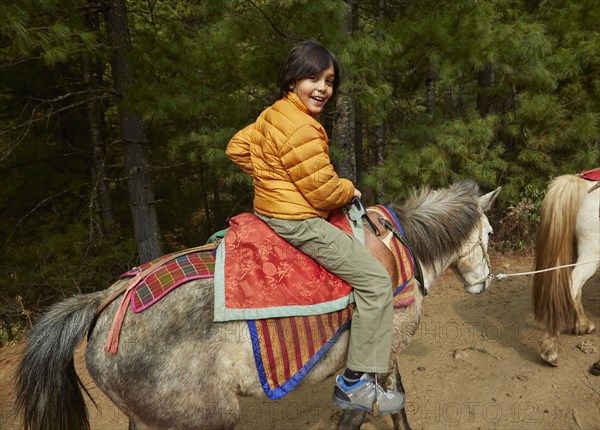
<point x="584" y="328"/>
<point x="595" y="369"/>
<point x="553" y="360"/>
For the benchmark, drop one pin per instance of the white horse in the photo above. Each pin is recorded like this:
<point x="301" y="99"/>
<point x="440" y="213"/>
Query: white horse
<point x="569" y="233"/>
<point x="177" y="369"/>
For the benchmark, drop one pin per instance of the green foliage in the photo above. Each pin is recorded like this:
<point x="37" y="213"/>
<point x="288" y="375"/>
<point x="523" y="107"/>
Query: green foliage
<point x="10" y="332"/>
<point x="203" y="70"/>
<point x="518" y="228"/>
<point x="49" y="29"/>
<point x="57" y="265"/>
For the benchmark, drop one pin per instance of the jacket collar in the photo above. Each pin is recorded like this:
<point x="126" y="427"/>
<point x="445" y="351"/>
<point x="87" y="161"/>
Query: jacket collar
<point x="293" y="98"/>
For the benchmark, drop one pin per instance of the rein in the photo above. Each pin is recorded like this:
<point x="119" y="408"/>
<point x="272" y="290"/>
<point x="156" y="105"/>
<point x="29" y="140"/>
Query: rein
<point x="390" y="226"/>
<point x="418" y="271"/>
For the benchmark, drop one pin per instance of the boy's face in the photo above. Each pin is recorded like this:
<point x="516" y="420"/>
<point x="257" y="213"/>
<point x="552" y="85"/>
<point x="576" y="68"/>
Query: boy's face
<point x="316" y="90"/>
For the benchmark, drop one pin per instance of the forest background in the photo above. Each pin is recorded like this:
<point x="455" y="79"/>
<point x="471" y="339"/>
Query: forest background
<point x="116" y="114"/>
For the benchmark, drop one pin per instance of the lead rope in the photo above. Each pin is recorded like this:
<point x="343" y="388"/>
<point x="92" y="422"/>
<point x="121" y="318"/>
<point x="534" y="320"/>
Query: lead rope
<point x="508" y="275"/>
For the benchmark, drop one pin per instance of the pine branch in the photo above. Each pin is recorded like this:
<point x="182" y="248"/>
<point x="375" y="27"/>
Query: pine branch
<point x="53" y="112"/>
<point x="23" y="218"/>
<point x="266" y="17"/>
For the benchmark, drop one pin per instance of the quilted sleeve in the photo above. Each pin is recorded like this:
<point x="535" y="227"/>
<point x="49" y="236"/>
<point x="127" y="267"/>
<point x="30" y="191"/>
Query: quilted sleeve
<point x="238" y="149"/>
<point x="305" y="157"/>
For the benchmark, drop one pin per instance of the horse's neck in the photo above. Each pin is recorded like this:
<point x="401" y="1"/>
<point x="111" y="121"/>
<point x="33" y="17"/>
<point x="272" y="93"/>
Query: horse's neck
<point x="431" y="273"/>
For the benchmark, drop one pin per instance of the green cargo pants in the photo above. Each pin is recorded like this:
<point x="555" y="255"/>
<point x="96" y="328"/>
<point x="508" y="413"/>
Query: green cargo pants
<point x="343" y="255"/>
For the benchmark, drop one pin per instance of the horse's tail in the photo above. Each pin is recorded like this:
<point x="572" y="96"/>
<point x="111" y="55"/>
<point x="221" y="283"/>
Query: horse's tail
<point x="47" y="385"/>
<point x="556" y="246"/>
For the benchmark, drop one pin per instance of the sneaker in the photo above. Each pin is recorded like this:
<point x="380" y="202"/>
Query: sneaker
<point x="362" y="394"/>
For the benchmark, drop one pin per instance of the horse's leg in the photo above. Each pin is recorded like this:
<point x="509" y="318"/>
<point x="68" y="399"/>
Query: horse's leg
<point x="582" y="325"/>
<point x="549" y="348"/>
<point x="400" y="420"/>
<point x="588" y="251"/>
<point x="579" y="276"/>
<point x="351" y="419"/>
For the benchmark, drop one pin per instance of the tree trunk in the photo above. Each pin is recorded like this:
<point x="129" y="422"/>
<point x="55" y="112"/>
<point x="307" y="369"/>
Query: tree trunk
<point x="344" y="129"/>
<point x="379" y="143"/>
<point x="344" y="138"/>
<point x="218" y="215"/>
<point x="141" y="194"/>
<point x="431" y="83"/>
<point x="485" y="80"/>
<point x="358" y="142"/>
<point x="100" y="199"/>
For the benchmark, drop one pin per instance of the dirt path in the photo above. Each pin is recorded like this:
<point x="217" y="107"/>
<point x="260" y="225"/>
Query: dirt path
<point x="473" y="364"/>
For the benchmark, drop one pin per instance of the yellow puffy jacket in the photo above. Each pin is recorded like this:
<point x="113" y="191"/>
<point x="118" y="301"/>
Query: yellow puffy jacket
<point x="286" y="152"/>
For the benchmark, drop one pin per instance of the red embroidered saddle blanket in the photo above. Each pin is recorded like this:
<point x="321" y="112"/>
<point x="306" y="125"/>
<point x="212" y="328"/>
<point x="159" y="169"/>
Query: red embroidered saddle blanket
<point x="259" y="275"/>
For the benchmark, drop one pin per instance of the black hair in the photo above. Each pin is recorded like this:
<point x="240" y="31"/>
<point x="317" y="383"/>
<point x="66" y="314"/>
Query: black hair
<point x="305" y="59"/>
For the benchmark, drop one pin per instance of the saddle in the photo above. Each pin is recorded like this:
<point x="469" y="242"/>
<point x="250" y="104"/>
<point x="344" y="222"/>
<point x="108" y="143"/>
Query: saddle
<point x="591" y="175"/>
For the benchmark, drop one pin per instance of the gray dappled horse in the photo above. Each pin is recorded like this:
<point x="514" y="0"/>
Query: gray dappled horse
<point x="177" y="369"/>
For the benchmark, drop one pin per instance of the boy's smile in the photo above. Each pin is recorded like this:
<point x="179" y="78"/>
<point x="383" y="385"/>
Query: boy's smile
<point x="316" y="90"/>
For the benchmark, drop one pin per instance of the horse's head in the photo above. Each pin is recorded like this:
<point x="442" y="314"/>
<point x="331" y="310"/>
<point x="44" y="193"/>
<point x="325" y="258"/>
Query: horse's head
<point x="472" y="265"/>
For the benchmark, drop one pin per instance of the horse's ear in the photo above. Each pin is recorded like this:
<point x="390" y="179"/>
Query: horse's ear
<point x="487" y="200"/>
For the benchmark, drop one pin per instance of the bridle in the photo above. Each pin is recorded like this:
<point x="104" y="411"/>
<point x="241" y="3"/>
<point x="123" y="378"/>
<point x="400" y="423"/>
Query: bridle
<point x="486" y="256"/>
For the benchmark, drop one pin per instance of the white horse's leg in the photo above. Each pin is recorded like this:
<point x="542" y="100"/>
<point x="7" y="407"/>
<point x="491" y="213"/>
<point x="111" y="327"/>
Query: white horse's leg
<point x="579" y="276"/>
<point x="588" y="251"/>
<point x="581" y="273"/>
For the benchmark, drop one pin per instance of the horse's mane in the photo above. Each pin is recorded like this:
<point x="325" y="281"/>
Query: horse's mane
<point x="437" y="222"/>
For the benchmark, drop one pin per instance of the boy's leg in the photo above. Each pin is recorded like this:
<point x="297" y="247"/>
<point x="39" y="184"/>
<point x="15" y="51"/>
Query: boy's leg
<point x="371" y="330"/>
<point x="343" y="255"/>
